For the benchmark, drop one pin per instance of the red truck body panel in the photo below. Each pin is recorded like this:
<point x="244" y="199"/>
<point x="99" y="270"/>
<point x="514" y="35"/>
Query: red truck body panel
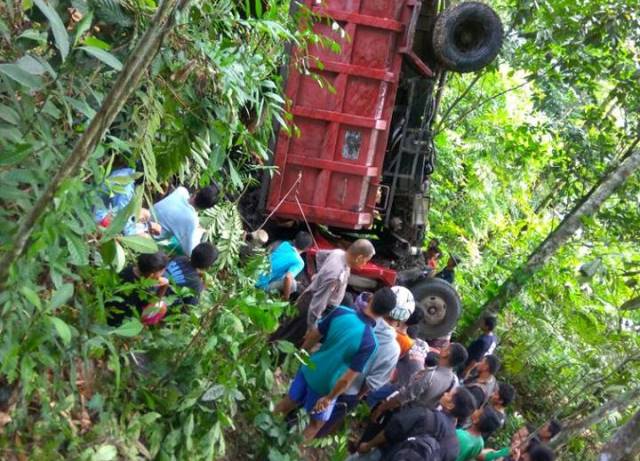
<point x="330" y="173"/>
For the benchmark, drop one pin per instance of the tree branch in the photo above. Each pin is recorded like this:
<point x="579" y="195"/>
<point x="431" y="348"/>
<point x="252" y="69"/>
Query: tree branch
<point x="126" y="83"/>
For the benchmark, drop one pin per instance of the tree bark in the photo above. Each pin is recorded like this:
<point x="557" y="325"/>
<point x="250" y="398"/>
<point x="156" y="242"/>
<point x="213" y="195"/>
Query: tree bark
<point x="587" y="206"/>
<point x="625" y="444"/>
<point x="578" y="426"/>
<point x="126" y="83"/>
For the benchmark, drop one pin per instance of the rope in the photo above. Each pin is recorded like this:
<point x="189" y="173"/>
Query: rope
<point x="294" y="186"/>
<point x="315" y="244"/>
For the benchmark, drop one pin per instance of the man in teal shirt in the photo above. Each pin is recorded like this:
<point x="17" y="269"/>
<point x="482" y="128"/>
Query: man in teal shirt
<point x="286" y="263"/>
<point x="348" y="342"/>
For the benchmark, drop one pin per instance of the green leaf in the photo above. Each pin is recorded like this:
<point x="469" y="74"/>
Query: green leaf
<point x="120" y="258"/>
<point x="128" y="329"/>
<point x="57" y="27"/>
<point x="31" y="65"/>
<point x="103" y="56"/>
<point x="96" y="43"/>
<point x="18" y="74"/>
<point x="78" y="251"/>
<point x="83" y="26"/>
<point x="9" y="115"/>
<point x="62" y="329"/>
<point x="31" y="296"/>
<point x="139" y="244"/>
<point x="118" y="223"/>
<point x="62" y="295"/>
<point x="105" y="453"/>
<point x="31" y="34"/>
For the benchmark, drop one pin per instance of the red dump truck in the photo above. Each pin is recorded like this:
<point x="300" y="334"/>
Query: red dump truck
<point x="359" y="162"/>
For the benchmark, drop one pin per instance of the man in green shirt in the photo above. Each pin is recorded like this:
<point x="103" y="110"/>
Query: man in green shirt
<point x="483" y="421"/>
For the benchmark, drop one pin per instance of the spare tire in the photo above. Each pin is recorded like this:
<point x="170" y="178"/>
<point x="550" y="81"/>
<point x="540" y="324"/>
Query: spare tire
<point x="441" y="304"/>
<point x="467" y="37"/>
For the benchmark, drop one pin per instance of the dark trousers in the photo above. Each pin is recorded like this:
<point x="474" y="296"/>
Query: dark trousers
<point x="294" y="328"/>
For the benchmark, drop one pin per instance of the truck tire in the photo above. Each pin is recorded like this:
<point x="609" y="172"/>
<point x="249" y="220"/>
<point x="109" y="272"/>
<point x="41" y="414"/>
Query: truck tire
<point x="467" y="37"/>
<point x="441" y="304"/>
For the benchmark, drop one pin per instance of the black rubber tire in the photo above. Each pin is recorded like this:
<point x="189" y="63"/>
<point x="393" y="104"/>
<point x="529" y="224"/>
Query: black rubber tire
<point x="467" y="37"/>
<point x="428" y="289"/>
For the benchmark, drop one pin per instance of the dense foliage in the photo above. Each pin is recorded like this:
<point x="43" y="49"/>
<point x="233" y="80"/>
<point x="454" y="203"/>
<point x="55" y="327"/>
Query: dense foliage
<point x="530" y="137"/>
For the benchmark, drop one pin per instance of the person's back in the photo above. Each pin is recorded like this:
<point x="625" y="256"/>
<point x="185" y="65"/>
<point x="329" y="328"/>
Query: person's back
<point x="185" y="272"/>
<point x="346" y="333"/>
<point x="178" y="216"/>
<point x="419" y="421"/>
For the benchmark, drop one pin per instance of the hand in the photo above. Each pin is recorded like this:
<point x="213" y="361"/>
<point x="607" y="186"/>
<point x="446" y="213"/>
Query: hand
<point x="364" y="448"/>
<point x="322" y="404"/>
<point x="155" y="228"/>
<point x="515" y="453"/>
<point x="163" y="281"/>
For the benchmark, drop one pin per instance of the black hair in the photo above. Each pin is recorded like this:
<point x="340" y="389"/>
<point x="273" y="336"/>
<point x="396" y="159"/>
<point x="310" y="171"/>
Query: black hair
<point x="413" y="331"/>
<point x="490" y="323"/>
<point x="206" y="197"/>
<point x="458" y="355"/>
<point x="554" y="426"/>
<point x="384" y="300"/>
<point x="416" y="317"/>
<point x="204" y="255"/>
<point x="347" y="300"/>
<point x="507" y="393"/>
<point x="302" y="240"/>
<point x="541" y="453"/>
<point x="432" y="359"/>
<point x="489" y="421"/>
<point x="478" y="396"/>
<point x="493" y="362"/>
<point x="148" y="263"/>
<point x="463" y="403"/>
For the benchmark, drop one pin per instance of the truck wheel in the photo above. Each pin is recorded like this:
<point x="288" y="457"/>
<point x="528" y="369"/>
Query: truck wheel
<point x="441" y="305"/>
<point x="467" y="37"/>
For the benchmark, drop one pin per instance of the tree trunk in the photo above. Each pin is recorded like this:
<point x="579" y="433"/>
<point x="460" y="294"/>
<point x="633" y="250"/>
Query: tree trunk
<point x="126" y="83"/>
<point x="576" y="427"/>
<point x="585" y="207"/>
<point x="625" y="444"/>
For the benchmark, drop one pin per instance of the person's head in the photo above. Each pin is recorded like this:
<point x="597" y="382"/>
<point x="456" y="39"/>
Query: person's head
<point x="489" y="324"/>
<point x="458" y="402"/>
<point x="381" y="303"/>
<point x="486" y="420"/>
<point x="503" y="395"/>
<point x="452" y="262"/>
<point x="404" y="308"/>
<point x="302" y="241"/>
<point x="360" y="253"/>
<point x="432" y="359"/>
<point x="538" y="453"/>
<point x="152" y="265"/>
<point x="490" y="364"/>
<point x="433" y="243"/>
<point x="203" y="256"/>
<point x="549" y="430"/>
<point x="206" y="197"/>
<point x="453" y="356"/>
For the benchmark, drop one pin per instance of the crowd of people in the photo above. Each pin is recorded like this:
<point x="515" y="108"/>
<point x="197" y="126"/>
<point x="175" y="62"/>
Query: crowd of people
<point x="440" y="401"/>
<point x="428" y="399"/>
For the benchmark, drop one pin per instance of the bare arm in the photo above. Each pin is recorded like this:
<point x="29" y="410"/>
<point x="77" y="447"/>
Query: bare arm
<point x="340" y="387"/>
<point x="312" y="338"/>
<point x="287" y="285"/>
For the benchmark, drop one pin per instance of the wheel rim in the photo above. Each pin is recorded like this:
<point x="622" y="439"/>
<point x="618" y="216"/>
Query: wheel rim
<point x="435" y="310"/>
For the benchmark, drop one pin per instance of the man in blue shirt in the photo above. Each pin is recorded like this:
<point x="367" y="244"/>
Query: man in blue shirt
<point x="286" y="263"/>
<point x="348" y="342"/>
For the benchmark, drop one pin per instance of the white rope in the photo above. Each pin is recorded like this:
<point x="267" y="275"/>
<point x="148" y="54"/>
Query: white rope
<point x="294" y="186"/>
<point x="315" y="244"/>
